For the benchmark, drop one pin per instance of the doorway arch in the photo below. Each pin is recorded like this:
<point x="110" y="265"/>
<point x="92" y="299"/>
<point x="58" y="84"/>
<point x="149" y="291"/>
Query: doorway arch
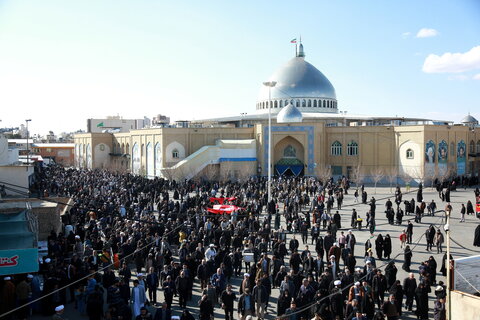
<point x="289" y="157"/>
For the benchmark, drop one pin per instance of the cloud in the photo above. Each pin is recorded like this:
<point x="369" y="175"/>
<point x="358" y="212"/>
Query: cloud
<point x="453" y="62"/>
<point x="476" y="77"/>
<point x="460" y="77"/>
<point x="405" y="35"/>
<point x="426" y="33"/>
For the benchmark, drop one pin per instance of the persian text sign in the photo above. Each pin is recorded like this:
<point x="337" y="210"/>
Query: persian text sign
<point x="18" y="261"/>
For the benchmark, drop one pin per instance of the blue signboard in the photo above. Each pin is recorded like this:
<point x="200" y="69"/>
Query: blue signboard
<point x="18" y="261"/>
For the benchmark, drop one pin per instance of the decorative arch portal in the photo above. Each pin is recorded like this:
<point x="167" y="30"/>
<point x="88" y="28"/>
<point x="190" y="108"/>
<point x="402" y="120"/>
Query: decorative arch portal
<point x="179" y="154"/>
<point x="88" y="153"/>
<point x="150" y="161"/>
<point x="136" y="159"/>
<point x="288" y="157"/>
<point x="306" y="150"/>
<point x="158" y="159"/>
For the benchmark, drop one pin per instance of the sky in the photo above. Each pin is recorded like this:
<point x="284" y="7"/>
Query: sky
<point x="62" y="62"/>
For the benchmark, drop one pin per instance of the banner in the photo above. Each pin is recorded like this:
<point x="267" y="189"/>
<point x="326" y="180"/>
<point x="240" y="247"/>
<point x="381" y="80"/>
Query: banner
<point x="222" y="200"/>
<point x="430" y="159"/>
<point x="219" y="209"/>
<point x="18" y="261"/>
<point x="442" y="157"/>
<point x="461" y="157"/>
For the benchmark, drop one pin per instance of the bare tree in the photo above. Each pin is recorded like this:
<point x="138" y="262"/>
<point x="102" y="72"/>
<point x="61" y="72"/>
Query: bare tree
<point x="226" y="171"/>
<point x="449" y="173"/>
<point x="245" y="172"/>
<point x="168" y="173"/>
<point x="407" y="178"/>
<point x="357" y="175"/>
<point x="324" y="174"/>
<point x="377" y="174"/>
<point x="210" y="172"/>
<point x="392" y="176"/>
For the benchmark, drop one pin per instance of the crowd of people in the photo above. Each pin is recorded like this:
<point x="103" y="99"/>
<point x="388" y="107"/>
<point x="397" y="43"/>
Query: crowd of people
<point x="127" y="238"/>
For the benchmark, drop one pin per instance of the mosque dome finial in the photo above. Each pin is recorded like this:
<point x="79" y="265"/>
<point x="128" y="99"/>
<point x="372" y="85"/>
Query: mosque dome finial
<point x="300" y="52"/>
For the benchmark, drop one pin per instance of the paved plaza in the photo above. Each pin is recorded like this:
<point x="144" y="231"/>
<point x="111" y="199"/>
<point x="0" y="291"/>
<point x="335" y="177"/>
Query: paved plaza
<point x="462" y="233"/>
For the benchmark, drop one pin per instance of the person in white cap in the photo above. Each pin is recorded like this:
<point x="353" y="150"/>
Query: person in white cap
<point x="337" y="300"/>
<point x="58" y="313"/>
<point x="211" y="252"/>
<point x="245" y="283"/>
<point x="356" y="292"/>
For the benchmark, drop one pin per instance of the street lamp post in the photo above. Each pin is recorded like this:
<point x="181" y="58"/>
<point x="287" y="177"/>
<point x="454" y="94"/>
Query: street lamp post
<point x="270" y="85"/>
<point x="448" y="263"/>
<point x="28" y="149"/>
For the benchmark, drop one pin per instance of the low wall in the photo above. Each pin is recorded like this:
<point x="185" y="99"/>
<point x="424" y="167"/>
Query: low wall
<point x="48" y="212"/>
<point x="465" y="306"/>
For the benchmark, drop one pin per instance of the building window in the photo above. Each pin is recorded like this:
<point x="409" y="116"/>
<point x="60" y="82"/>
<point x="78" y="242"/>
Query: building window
<point x="336" y="149"/>
<point x="409" y="154"/>
<point x="275" y="104"/>
<point x="175" y="154"/>
<point x="309" y="103"/>
<point x="290" y="152"/>
<point x="472" y="147"/>
<point x="352" y="148"/>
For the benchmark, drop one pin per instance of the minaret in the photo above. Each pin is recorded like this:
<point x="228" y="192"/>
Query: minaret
<point x="300" y="52"/>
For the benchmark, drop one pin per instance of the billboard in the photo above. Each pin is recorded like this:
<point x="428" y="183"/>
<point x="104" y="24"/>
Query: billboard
<point x="430" y="159"/>
<point x="461" y="157"/>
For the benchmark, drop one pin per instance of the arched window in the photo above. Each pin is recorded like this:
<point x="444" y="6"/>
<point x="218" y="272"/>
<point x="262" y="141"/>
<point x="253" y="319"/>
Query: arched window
<point x="175" y="154"/>
<point x="336" y="149"/>
<point x="276" y="104"/>
<point x="452" y="149"/>
<point x="309" y="103"/>
<point x="128" y="148"/>
<point x="352" y="148"/>
<point x="472" y="147"/>
<point x="280" y="103"/>
<point x="314" y="103"/>
<point x="478" y="146"/>
<point x="409" y="154"/>
<point x="298" y="104"/>
<point x="123" y="148"/>
<point x="324" y="104"/>
<point x="304" y="103"/>
<point x="290" y="152"/>
<point x="286" y="102"/>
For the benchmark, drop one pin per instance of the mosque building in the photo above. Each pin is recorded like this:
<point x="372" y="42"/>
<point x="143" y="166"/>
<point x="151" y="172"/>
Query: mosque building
<point x="309" y="136"/>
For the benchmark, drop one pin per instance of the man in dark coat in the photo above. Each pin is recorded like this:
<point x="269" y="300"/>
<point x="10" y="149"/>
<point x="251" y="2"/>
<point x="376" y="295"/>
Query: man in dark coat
<point x="379" y="286"/>
<point x="246" y="305"/>
<point x="409" y="288"/>
<point x="421" y="297"/>
<point x="163" y="313"/>
<point x="227" y="298"/>
<point x="476" y="238"/>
